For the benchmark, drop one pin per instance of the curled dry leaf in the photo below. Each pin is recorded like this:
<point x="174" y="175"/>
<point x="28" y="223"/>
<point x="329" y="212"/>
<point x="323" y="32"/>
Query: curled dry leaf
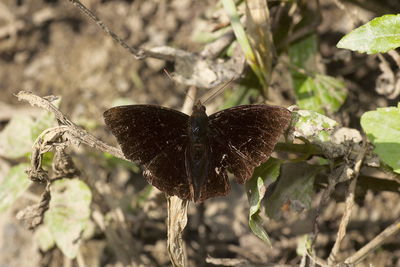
<point x="194" y="70"/>
<point x="388" y="82"/>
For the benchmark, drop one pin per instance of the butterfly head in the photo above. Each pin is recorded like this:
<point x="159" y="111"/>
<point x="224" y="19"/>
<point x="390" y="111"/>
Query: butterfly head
<point x="198" y="108"/>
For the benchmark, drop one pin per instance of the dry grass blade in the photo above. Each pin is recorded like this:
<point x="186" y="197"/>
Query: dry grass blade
<point x="242" y="38"/>
<point x="260" y="37"/>
<point x="177" y="219"/>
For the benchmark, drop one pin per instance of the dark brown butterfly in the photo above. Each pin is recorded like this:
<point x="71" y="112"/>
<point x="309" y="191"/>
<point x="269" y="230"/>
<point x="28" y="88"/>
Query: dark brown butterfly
<point x="188" y="156"/>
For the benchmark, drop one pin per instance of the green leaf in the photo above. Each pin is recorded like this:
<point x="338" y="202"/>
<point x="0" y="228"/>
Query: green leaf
<point x="377" y="36"/>
<point x="241" y="96"/>
<point x="294" y="187"/>
<point x="304" y="244"/>
<point x="320" y="93"/>
<point x="20" y="133"/>
<point x="44" y="238"/>
<point x="68" y="214"/>
<point x="238" y="29"/>
<point x="263" y="176"/>
<point x="314" y="91"/>
<point x="206" y="35"/>
<point x="313" y="126"/>
<point x="383" y="130"/>
<point x="16" y="138"/>
<point x="14" y="184"/>
<point x="243" y="40"/>
<point x="143" y="196"/>
<point x="302" y="53"/>
<point x="44" y="121"/>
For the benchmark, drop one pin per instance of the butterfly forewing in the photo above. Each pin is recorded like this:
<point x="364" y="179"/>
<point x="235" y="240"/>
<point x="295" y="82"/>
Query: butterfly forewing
<point x="247" y="136"/>
<point x="156" y="137"/>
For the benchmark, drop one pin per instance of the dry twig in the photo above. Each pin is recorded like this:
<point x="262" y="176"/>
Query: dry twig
<point x="349" y="205"/>
<point x="373" y="244"/>
<point x="190" y="69"/>
<point x="75" y="132"/>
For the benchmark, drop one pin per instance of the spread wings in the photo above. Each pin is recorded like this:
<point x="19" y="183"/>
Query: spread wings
<point x="246" y="136"/>
<point x="240" y="139"/>
<point x="155" y="137"/>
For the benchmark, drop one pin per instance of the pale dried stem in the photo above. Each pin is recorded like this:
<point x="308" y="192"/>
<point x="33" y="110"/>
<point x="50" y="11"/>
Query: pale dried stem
<point x="177" y="209"/>
<point x="349" y="204"/>
<point x="177" y="220"/>
<point x="373" y="244"/>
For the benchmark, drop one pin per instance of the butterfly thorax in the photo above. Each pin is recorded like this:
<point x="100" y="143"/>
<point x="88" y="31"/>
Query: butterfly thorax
<point x="197" y="155"/>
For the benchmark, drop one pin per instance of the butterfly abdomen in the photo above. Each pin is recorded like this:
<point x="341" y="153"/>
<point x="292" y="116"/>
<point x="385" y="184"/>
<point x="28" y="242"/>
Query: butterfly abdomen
<point x="198" y="152"/>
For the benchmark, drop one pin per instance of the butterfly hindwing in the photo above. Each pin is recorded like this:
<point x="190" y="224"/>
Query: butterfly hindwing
<point x="247" y="135"/>
<point x="156" y="137"/>
<point x="217" y="183"/>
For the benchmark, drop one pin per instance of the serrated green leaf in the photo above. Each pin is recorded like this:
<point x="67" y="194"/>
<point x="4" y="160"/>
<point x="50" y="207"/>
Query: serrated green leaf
<point x="263" y="176"/>
<point x="294" y="187"/>
<point x="383" y="130"/>
<point x="68" y="214"/>
<point x="313" y="126"/>
<point x="14" y="184"/>
<point x="377" y="36"/>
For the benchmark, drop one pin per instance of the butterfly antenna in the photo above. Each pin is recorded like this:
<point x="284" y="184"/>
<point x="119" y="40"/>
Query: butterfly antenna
<point x="169" y="75"/>
<point x="214" y="92"/>
<point x="187" y="93"/>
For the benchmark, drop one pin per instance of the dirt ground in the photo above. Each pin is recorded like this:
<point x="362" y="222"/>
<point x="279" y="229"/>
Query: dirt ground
<point x="50" y="48"/>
